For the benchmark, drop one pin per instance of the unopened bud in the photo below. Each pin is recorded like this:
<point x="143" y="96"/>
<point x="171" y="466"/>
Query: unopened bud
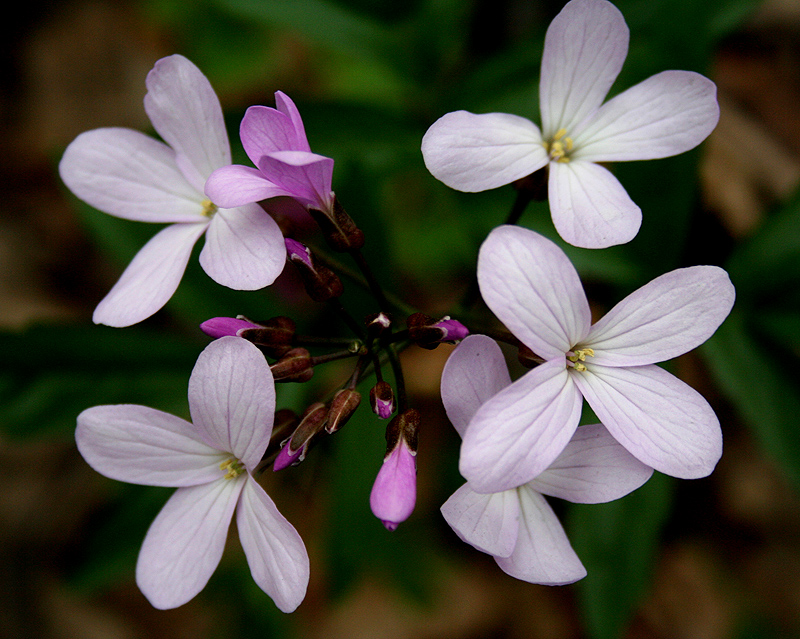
<point x="217" y="327"/>
<point x="295" y="449"/>
<point x="285" y="423"/>
<point x="342" y="407"/>
<point x="428" y="333"/>
<point x="381" y="399"/>
<point x="321" y="283"/>
<point x="338" y="228"/>
<point x="294" y="366"/>
<point x="378" y="324"/>
<point x="274" y="336"/>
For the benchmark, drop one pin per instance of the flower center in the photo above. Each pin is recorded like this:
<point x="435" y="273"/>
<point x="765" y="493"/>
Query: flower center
<point x="209" y="208"/>
<point x="233" y="467"/>
<point x="559" y="146"/>
<point x="574" y="358"/>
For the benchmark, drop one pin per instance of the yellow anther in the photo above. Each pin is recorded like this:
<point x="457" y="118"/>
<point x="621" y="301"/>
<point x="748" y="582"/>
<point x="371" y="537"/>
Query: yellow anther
<point x="559" y="134"/>
<point x="209" y="208"/>
<point x="579" y="355"/>
<point x="557" y="148"/>
<point x="579" y="367"/>
<point x="233" y="466"/>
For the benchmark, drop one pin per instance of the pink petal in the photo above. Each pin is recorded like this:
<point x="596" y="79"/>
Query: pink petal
<point x="129" y="175"/>
<point x="489" y="522"/>
<point x="265" y="130"/>
<point x="584" y="49"/>
<point x="475" y="371"/>
<point x="151" y="278"/>
<point x="286" y="106"/>
<point x="543" y="554"/>
<point x="667" y="317"/>
<point x="244" y="248"/>
<point x="521" y="430"/>
<point x="590" y="208"/>
<point x="232" y="399"/>
<point x="593" y="468"/>
<point x="667" y="114"/>
<point x="532" y="287"/>
<point x="394" y="492"/>
<point x="141" y="445"/>
<point x="235" y="185"/>
<point x="186" y="113"/>
<point x="473" y="153"/>
<point x="662" y="421"/>
<point x="305" y="176"/>
<point x="185" y="542"/>
<point x="275" y="553"/>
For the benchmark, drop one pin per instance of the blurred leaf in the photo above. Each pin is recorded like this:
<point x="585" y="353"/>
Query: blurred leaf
<point x="617" y="543"/>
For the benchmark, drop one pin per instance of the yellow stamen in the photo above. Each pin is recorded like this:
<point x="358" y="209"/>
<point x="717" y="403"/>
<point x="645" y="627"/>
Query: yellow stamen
<point x="233" y="466"/>
<point x="579" y="355"/>
<point x="209" y="208"/>
<point x="557" y="148"/>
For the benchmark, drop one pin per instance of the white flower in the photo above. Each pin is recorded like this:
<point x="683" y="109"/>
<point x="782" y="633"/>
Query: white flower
<point x="210" y="461"/>
<point x="585" y="46"/>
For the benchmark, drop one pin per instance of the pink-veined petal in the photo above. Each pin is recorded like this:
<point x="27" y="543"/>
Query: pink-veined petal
<point x="521" y="430"/>
<point x="661" y="420"/>
<point x="475" y="371"/>
<point x="667" y="317"/>
<point x="593" y="468"/>
<point x="185" y="542"/>
<point x="584" y="50"/>
<point x="543" y="554"/>
<point x="265" y="130"/>
<point x="590" y="208"/>
<point x="532" y="287"/>
<point x="305" y="176"/>
<point x="232" y="399"/>
<point x="394" y="493"/>
<point x="275" y="552"/>
<point x="489" y="522"/>
<point x="285" y="105"/>
<point x="474" y="153"/>
<point x="151" y="278"/>
<point x="141" y="445"/>
<point x="130" y="175"/>
<point x="187" y="114"/>
<point x="236" y="185"/>
<point x="667" y="114"/>
<point x="244" y="248"/>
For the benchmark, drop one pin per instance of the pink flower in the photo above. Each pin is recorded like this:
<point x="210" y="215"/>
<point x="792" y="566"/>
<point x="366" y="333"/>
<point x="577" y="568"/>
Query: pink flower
<point x="585" y="46"/>
<point x="210" y="461"/>
<point x="133" y="176"/>
<point x="275" y="141"/>
<point x="517" y="526"/>
<point x="529" y="283"/>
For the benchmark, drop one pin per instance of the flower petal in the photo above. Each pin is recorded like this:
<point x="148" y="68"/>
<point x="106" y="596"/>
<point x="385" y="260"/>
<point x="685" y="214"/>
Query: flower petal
<point x="141" y="445"/>
<point x="285" y="105"/>
<point x="187" y="114"/>
<point x="590" y="208"/>
<point x="475" y="371"/>
<point x="669" y="113"/>
<point x="130" y="175"/>
<point x="474" y="153"/>
<point x="305" y="176"/>
<point x="265" y="130"/>
<point x="244" y="248"/>
<point x="532" y="287"/>
<point x="489" y="522"/>
<point x="151" y="278"/>
<point x="235" y="185"/>
<point x="185" y="542"/>
<point x="661" y="420"/>
<point x="667" y="317"/>
<point x="275" y="552"/>
<point x="594" y="468"/>
<point x="232" y="399"/>
<point x="543" y="554"/>
<point x="521" y="430"/>
<point x="584" y="50"/>
<point x="394" y="493"/>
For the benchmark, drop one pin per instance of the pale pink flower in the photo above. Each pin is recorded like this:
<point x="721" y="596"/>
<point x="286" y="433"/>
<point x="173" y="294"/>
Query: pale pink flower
<point x="531" y="286"/>
<point x="517" y="526"/>
<point x="210" y="461"/>
<point x="585" y="46"/>
<point x="131" y="175"/>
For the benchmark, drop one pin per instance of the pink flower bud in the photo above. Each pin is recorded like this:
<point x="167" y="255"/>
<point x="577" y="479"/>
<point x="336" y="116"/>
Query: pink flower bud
<point x="394" y="492"/>
<point x="222" y="326"/>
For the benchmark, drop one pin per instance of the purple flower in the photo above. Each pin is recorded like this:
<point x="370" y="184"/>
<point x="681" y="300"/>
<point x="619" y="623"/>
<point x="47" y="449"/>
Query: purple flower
<point x="210" y="461"/>
<point x="517" y="526"/>
<point x="275" y="141"/>
<point x="585" y="46"/>
<point x="529" y="283"/>
<point x="394" y="492"/>
<point x="133" y="176"/>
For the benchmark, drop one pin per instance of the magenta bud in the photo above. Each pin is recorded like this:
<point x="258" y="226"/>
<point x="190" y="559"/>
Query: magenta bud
<point x="298" y="252"/>
<point x="218" y="327"/>
<point x="288" y="458"/>
<point x="428" y="333"/>
<point x="320" y="282"/>
<point x="381" y="399"/>
<point x="394" y="492"/>
<point x="453" y="329"/>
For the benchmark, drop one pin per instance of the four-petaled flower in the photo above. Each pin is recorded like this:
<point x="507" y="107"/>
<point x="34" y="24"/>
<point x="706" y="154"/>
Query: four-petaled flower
<point x="210" y="461"/>
<point x="531" y="286"/>
<point x="130" y="175"/>
<point x="517" y="526"/>
<point x="275" y="141"/>
<point x="585" y="46"/>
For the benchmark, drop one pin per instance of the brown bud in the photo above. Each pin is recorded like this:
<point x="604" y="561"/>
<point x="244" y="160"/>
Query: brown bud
<point x="320" y="282"/>
<point x="342" y="407"/>
<point x="275" y="335"/>
<point x="405" y="425"/>
<point x="285" y="423"/>
<point x="294" y="366"/>
<point x="381" y="399"/>
<point x="422" y="332"/>
<point x="311" y="423"/>
<point x="378" y="324"/>
<point x="338" y="228"/>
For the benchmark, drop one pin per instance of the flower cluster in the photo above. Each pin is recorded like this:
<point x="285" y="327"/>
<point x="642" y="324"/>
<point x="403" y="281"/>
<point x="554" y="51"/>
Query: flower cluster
<point x="521" y="440"/>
